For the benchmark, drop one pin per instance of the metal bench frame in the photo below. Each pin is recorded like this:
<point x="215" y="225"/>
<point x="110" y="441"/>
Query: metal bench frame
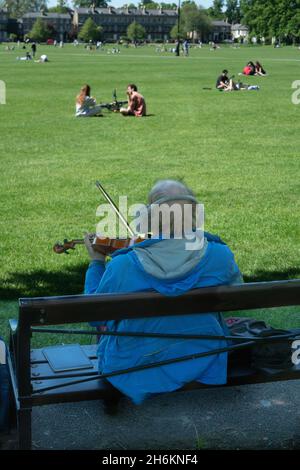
<point x="38" y="314"/>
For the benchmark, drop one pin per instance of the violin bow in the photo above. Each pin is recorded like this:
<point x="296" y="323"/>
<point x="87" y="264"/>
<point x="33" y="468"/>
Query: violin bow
<point x="115" y="208"/>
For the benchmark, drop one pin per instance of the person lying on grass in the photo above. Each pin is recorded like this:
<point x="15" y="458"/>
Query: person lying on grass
<point x="165" y="264"/>
<point x="224" y="83"/>
<point x="86" y="105"/>
<point x="27" y="57"/>
<point x="42" y="59"/>
<point x="136" y="103"/>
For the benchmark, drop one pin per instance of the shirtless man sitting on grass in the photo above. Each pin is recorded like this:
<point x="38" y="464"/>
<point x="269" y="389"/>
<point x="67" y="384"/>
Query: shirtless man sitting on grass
<point x="136" y="103"/>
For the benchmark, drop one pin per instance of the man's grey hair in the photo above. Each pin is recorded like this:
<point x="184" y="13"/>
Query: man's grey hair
<point x="176" y="195"/>
<point x="170" y="190"/>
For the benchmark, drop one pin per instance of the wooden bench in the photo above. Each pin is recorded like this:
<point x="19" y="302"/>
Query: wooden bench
<point x="34" y="383"/>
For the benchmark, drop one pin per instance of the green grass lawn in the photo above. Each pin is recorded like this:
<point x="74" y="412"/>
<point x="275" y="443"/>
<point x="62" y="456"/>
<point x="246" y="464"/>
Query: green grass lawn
<point x="238" y="151"/>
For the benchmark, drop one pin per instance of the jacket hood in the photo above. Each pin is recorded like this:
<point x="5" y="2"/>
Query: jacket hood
<point x="170" y="268"/>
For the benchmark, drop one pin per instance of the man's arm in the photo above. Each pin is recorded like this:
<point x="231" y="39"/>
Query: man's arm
<point x="96" y="268"/>
<point x="93" y="276"/>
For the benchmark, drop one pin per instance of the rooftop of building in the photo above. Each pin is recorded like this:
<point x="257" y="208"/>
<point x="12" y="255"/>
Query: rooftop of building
<point x="125" y="11"/>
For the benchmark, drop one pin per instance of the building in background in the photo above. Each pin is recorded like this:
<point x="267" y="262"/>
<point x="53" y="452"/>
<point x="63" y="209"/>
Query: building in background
<point x="239" y="32"/>
<point x="3" y="24"/>
<point x="115" y="21"/>
<point x="220" y="31"/>
<point x="60" y="24"/>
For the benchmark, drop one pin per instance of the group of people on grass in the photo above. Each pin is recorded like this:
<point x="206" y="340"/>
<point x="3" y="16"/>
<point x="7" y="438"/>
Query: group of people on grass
<point x="43" y="58"/>
<point x="254" y="69"/>
<point x="86" y="105"/>
<point x="226" y="83"/>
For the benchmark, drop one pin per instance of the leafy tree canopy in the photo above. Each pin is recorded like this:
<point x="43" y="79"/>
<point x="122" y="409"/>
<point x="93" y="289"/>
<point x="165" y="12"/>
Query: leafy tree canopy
<point x="90" y="3"/>
<point x="40" y="31"/>
<point x="61" y="7"/>
<point x="136" y="32"/>
<point x="90" y="31"/>
<point x="272" y="18"/>
<point x="18" y="8"/>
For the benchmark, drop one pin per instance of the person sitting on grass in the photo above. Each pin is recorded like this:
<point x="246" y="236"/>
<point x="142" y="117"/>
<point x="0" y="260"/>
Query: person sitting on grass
<point x="249" y="69"/>
<point x="136" y="103"/>
<point x="86" y="105"/>
<point x="224" y="83"/>
<point x="167" y="264"/>
<point x="259" y="70"/>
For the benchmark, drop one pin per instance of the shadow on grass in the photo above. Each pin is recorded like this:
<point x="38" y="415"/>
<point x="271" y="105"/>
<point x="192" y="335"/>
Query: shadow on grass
<point x="42" y="283"/>
<point x="260" y="275"/>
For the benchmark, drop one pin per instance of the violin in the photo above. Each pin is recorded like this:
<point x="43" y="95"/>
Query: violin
<point x="104" y="245"/>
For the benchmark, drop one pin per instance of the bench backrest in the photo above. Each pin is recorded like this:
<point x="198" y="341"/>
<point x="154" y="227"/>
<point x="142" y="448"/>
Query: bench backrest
<point x="83" y="308"/>
<point x="80" y="308"/>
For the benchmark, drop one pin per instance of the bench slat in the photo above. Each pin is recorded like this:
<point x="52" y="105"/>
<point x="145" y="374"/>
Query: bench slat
<point x="82" y="308"/>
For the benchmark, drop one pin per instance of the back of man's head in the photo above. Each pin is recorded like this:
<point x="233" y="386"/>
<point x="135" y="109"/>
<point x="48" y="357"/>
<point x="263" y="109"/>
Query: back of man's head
<point x="173" y="198"/>
<point x="170" y="190"/>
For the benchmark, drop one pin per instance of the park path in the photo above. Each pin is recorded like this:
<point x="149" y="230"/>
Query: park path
<point x="264" y="416"/>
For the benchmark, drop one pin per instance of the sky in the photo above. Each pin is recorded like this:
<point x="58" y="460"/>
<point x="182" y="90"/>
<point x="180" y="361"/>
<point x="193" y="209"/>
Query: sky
<point x="118" y="3"/>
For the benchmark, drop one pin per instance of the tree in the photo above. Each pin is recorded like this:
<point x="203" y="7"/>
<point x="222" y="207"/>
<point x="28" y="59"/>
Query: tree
<point x="174" y="32"/>
<point x="61" y="7"/>
<point x="272" y="18"/>
<point x="198" y="22"/>
<point x="233" y="11"/>
<point x="131" y="6"/>
<point x="151" y="6"/>
<point x="194" y="19"/>
<point x="168" y="6"/>
<point x="40" y="31"/>
<point x="293" y="27"/>
<point x="136" y="32"/>
<point x="17" y="8"/>
<point x="89" y="3"/>
<point x="216" y="10"/>
<point x="90" y="31"/>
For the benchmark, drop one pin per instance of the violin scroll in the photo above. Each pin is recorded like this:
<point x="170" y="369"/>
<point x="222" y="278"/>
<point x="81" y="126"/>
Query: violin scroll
<point x="60" y="248"/>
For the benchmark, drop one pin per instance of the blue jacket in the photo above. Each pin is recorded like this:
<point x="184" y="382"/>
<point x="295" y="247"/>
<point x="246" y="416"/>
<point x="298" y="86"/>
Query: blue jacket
<point x="163" y="266"/>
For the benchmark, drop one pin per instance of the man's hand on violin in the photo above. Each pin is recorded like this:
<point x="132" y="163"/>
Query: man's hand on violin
<point x="94" y="255"/>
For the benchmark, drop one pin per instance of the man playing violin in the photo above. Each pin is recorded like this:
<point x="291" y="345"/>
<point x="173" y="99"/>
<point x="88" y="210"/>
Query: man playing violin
<point x="136" y="103"/>
<point x="164" y="265"/>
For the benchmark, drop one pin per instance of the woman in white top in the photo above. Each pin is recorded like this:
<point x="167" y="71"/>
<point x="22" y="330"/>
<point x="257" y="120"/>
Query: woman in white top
<point x="86" y="105"/>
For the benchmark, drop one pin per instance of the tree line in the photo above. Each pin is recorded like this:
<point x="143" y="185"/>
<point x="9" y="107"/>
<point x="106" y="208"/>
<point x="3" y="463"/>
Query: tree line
<point x="264" y="18"/>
